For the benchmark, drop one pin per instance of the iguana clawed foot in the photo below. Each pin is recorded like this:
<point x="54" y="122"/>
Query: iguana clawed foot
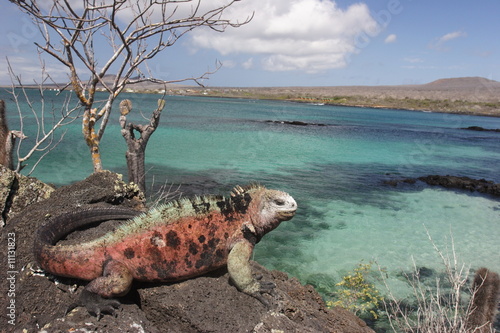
<point x="95" y="304"/>
<point x="265" y="287"/>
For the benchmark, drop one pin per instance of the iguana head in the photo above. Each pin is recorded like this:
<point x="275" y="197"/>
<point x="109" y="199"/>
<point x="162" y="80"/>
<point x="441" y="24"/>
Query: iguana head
<point x="266" y="208"/>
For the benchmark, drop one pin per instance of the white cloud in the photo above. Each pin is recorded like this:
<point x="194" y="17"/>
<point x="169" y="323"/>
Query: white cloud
<point x="171" y="10"/>
<point x="30" y="70"/>
<point x="306" y="35"/>
<point x="451" y="35"/>
<point x="438" y="44"/>
<point x="228" y="64"/>
<point x="248" y="64"/>
<point x="390" y="39"/>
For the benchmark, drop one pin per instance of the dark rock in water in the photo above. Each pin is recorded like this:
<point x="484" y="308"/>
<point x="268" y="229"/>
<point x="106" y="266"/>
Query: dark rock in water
<point x="204" y="304"/>
<point x="395" y="182"/>
<point x="425" y="272"/>
<point x="463" y="183"/>
<point x="481" y="129"/>
<point x="294" y="122"/>
<point x="453" y="182"/>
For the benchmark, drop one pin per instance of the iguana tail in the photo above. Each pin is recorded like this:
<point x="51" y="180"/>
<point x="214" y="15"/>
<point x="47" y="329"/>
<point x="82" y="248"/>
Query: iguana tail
<point x="60" y="226"/>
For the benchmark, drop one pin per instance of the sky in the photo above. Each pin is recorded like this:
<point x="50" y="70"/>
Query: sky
<point x="307" y="43"/>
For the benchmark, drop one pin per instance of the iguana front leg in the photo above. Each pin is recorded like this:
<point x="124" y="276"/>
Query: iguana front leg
<point x="115" y="281"/>
<point x="239" y="269"/>
<point x="98" y="295"/>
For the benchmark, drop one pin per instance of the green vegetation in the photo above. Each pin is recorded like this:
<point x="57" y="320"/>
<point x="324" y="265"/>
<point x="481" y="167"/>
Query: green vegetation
<point x="356" y="294"/>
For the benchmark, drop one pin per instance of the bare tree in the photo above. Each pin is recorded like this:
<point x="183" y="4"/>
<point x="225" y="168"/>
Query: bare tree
<point x="134" y="30"/>
<point x="48" y="121"/>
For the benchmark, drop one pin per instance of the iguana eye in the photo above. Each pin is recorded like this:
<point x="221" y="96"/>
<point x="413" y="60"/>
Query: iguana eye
<point x="279" y="202"/>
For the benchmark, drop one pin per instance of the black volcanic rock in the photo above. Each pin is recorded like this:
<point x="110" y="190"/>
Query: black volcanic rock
<point x="480" y="129"/>
<point x="453" y="182"/>
<point x="463" y="183"/>
<point x="294" y="122"/>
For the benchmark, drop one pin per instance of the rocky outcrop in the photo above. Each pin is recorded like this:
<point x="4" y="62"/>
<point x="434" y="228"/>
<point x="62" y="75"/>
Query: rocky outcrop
<point x="18" y="191"/>
<point x="294" y="123"/>
<point x="204" y="304"/>
<point x="481" y="129"/>
<point x="453" y="182"/>
<point x="463" y="183"/>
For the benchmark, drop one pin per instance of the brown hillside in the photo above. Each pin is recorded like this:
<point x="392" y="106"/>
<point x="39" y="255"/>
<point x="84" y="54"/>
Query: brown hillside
<point x="463" y="83"/>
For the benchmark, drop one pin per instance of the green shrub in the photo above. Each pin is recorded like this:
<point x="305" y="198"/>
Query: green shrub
<point x="356" y="294"/>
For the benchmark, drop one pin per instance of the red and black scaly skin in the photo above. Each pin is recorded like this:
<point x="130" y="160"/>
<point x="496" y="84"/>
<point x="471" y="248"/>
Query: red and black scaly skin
<point x="177" y="241"/>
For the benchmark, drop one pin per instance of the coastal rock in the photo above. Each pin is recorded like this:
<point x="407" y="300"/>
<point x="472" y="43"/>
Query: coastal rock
<point x="211" y="304"/>
<point x="17" y="192"/>
<point x="395" y="182"/>
<point x="481" y="129"/>
<point x="294" y="123"/>
<point x="453" y="182"/>
<point x="208" y="303"/>
<point x="463" y="183"/>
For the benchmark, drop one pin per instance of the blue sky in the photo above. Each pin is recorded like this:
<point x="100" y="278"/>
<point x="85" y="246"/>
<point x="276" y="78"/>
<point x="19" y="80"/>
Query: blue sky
<point x="312" y="43"/>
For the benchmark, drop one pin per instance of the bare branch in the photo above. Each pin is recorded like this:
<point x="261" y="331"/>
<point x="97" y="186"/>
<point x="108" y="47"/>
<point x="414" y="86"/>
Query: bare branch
<point x="44" y="138"/>
<point x="71" y="30"/>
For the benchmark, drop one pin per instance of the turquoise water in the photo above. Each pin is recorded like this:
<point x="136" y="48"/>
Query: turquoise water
<point x="335" y="172"/>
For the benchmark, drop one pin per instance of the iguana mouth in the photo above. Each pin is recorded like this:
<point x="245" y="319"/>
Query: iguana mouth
<point x="288" y="214"/>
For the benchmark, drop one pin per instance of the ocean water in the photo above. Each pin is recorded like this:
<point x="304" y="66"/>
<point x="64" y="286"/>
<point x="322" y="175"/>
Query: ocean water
<point x="335" y="171"/>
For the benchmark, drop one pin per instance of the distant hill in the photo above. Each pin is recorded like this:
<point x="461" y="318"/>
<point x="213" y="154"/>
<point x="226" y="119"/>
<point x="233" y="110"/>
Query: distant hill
<point x="462" y="83"/>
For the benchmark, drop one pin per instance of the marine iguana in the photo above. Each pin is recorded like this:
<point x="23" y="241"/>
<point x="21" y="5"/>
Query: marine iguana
<point x="173" y="242"/>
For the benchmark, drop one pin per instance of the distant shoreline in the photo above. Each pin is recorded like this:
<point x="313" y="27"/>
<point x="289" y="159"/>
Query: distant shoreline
<point x="467" y="96"/>
<point x="373" y="105"/>
<point x="479" y="101"/>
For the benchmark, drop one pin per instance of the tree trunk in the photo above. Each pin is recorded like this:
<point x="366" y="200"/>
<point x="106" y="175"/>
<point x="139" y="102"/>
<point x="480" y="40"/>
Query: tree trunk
<point x="136" y="146"/>
<point x="91" y="138"/>
<point x="95" y="152"/>
<point x="136" y="170"/>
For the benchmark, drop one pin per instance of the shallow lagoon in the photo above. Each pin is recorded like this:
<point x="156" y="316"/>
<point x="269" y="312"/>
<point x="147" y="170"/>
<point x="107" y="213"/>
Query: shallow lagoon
<point x="335" y="172"/>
